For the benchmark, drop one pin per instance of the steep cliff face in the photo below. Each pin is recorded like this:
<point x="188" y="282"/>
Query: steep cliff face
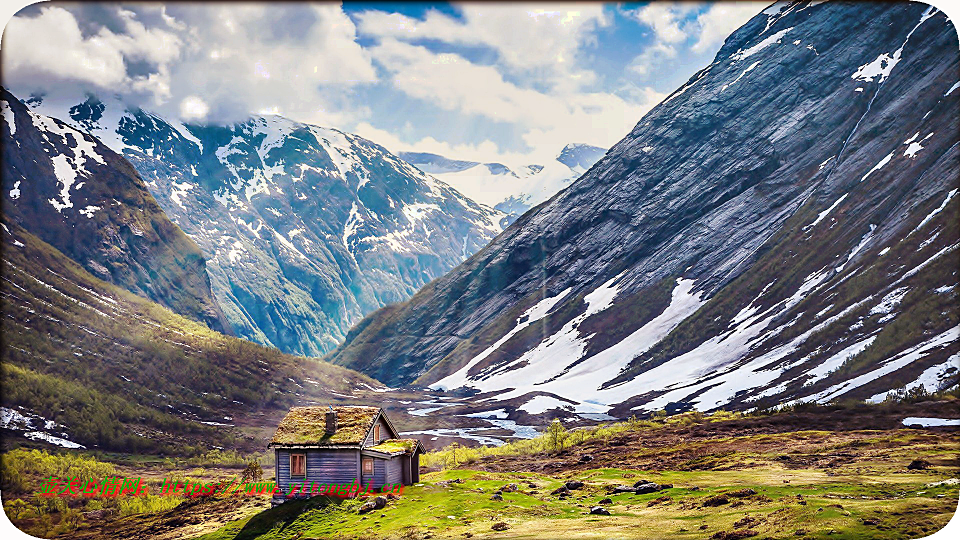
<point x="73" y="192"/>
<point x="783" y="226"/>
<point x="306" y="229"/>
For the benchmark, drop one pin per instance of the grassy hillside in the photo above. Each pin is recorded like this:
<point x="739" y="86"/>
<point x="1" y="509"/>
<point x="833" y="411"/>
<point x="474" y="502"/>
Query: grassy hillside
<point x="118" y="372"/>
<point x="802" y="473"/>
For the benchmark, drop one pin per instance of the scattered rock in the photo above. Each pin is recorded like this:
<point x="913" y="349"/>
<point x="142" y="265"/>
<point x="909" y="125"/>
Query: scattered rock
<point x="500" y="526"/>
<point x="716" y="500"/>
<point x="531" y="485"/>
<point x="600" y="511"/>
<point x="746" y="522"/>
<point x="375" y="503"/>
<point x="734" y="535"/>
<point x="659" y="500"/>
<point x="606" y="501"/>
<point x="624" y="489"/>
<point x="509" y="488"/>
<point x="918" y="465"/>
<point x="745" y="492"/>
<point x="573" y="484"/>
<point x="562" y="490"/>
<point x="666" y="486"/>
<point x="648" y="487"/>
<point x="586" y="458"/>
<point x="496" y="497"/>
<point x="703" y="527"/>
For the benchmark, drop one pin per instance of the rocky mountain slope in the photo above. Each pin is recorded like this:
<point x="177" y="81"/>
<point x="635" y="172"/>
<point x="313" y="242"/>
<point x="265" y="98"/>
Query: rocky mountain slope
<point x="510" y="189"/>
<point x="782" y="227"/>
<point x="88" y="364"/>
<point x="76" y="194"/>
<point x="306" y="229"/>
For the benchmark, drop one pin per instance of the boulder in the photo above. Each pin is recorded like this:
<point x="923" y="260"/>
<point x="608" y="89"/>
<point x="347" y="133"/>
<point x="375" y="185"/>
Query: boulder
<point x="496" y="497"/>
<point x="573" y="484"/>
<point x="509" y="488"/>
<point x="586" y="458"/>
<point x="501" y="526"/>
<point x="562" y="490"/>
<point x="624" y="489"/>
<point x="918" y="465"/>
<point x="716" y="500"/>
<point x="606" y="501"/>
<point x="646" y="488"/>
<point x="600" y="511"/>
<point x="375" y="503"/>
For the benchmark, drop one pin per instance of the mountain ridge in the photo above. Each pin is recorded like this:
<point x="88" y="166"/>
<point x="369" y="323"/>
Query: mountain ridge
<point x="793" y="152"/>
<point x="306" y="228"/>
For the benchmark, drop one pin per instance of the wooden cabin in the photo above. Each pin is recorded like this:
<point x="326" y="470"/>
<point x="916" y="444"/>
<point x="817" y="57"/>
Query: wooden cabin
<point x="340" y="445"/>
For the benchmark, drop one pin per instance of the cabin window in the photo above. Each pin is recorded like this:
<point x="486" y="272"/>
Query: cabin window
<point x="298" y="465"/>
<point x="367" y="465"/>
<point x="376" y="434"/>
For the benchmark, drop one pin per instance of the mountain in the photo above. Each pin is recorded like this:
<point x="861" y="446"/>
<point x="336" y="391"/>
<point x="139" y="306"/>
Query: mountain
<point x="306" y="229"/>
<point x="511" y="190"/>
<point x="782" y="227"/>
<point x="88" y="364"/>
<point x="71" y="191"/>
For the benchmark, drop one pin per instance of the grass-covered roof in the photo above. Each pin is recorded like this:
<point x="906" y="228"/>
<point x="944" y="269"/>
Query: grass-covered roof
<point x="396" y="446"/>
<point x="307" y="425"/>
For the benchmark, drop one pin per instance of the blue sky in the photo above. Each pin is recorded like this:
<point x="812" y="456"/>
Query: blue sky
<point x="489" y="82"/>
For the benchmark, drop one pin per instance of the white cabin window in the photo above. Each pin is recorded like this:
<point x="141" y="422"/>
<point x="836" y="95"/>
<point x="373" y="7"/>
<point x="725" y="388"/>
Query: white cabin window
<point x="367" y="465"/>
<point x="298" y="465"/>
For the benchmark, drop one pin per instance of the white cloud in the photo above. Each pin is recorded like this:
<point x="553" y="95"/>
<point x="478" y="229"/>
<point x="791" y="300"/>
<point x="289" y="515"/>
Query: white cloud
<point x="192" y="108"/>
<point x="49" y="49"/>
<point x="451" y="82"/>
<point x="651" y="57"/>
<point x="298" y="59"/>
<point x="534" y="39"/>
<point x="721" y="20"/>
<point x="667" y="19"/>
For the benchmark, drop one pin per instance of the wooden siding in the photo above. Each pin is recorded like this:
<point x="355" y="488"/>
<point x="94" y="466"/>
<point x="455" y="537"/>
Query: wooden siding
<point x="385" y="433"/>
<point x="394" y="471"/>
<point x="323" y="467"/>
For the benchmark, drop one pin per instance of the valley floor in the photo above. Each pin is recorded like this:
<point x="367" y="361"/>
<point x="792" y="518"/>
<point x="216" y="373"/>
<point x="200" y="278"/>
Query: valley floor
<point x="808" y="473"/>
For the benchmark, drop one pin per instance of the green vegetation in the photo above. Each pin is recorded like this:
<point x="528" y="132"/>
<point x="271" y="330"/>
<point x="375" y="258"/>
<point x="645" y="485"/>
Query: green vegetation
<point x="395" y="445"/>
<point x="307" y="425"/>
<point x="757" y="500"/>
<point x="133" y="376"/>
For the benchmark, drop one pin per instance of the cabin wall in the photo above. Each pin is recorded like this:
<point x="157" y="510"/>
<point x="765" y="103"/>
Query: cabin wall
<point x="393" y="473"/>
<point x="323" y="467"/>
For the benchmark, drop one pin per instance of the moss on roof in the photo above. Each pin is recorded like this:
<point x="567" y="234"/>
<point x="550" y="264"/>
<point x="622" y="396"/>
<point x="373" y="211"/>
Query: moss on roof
<point x="394" y="446"/>
<point x="307" y="425"/>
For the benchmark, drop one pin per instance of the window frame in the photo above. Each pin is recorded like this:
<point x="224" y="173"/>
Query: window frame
<point x="376" y="433"/>
<point x="302" y="458"/>
<point x="366" y="463"/>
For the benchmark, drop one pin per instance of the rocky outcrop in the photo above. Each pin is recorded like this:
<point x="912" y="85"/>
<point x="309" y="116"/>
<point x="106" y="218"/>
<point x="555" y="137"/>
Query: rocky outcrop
<point x="781" y="227"/>
<point x="306" y="229"/>
<point x="78" y="195"/>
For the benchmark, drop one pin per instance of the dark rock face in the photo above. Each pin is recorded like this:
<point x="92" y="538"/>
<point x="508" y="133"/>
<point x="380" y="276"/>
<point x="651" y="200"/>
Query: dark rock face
<point x="74" y="193"/>
<point x="600" y="511"/>
<point x="306" y="229"/>
<point x="783" y="226"/>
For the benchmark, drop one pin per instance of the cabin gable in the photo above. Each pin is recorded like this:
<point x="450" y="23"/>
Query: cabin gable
<point x="385" y="429"/>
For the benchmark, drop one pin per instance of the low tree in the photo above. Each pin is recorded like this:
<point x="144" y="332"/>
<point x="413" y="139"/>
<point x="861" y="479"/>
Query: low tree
<point x="556" y="436"/>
